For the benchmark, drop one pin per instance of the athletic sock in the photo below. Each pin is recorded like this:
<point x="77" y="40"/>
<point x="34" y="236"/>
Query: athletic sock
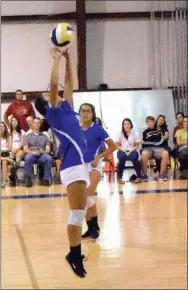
<point x="76" y="252"/>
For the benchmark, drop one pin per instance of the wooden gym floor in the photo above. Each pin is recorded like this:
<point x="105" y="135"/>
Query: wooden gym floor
<point x="143" y="241"/>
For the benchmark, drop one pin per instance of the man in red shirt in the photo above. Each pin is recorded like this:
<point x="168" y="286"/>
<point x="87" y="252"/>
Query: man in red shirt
<point x="20" y="110"/>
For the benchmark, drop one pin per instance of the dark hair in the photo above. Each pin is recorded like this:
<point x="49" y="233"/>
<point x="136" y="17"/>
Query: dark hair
<point x="180" y="113"/>
<point x="36" y="118"/>
<point x="18" y="129"/>
<point x="6" y="133"/>
<point x="164" y="126"/>
<point x="44" y="125"/>
<point x="19" y="91"/>
<point x="92" y="109"/>
<point x="123" y="130"/>
<point x="185" y="117"/>
<point x="41" y="105"/>
<point x="99" y="121"/>
<point x="150" y="118"/>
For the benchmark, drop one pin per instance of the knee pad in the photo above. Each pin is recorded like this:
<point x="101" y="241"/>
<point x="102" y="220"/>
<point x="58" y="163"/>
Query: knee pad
<point x="76" y="217"/>
<point x="90" y="202"/>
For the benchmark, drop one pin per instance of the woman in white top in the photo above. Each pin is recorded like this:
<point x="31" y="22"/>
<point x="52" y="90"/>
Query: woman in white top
<point x="127" y="143"/>
<point x="6" y="144"/>
<point x="17" y="153"/>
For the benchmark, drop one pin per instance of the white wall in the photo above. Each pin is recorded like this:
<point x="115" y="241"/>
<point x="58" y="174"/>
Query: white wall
<point x="131" y="6"/>
<point x="136" y="53"/>
<point x="117" y="53"/>
<point x="36" y="7"/>
<point x="121" y="53"/>
<point x="52" y="7"/>
<point x="25" y="58"/>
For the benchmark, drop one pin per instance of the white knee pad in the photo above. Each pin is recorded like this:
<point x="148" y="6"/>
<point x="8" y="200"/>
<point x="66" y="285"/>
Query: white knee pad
<point x="76" y="217"/>
<point x="90" y="202"/>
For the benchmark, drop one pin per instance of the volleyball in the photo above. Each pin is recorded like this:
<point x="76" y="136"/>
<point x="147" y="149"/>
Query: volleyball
<point x="62" y="35"/>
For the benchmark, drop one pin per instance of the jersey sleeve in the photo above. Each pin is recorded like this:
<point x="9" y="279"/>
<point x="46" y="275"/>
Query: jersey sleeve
<point x="66" y="105"/>
<point x="103" y="134"/>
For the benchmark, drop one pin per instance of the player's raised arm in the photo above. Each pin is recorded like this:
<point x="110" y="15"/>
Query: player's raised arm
<point x="68" y="83"/>
<point x="54" y="81"/>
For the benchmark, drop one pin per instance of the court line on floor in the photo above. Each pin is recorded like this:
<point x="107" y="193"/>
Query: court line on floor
<point x="173" y="190"/>
<point x="27" y="258"/>
<point x="55" y="195"/>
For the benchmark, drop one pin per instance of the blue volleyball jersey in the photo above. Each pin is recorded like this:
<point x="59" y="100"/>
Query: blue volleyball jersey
<point x="95" y="135"/>
<point x="65" y="125"/>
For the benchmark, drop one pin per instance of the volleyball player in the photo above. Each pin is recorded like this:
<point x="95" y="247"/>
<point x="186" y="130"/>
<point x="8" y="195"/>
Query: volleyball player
<point x="95" y="135"/>
<point x="74" y="167"/>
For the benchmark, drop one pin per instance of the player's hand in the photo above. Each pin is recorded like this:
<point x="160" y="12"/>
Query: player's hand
<point x="65" y="53"/>
<point x="56" y="53"/>
<point x="95" y="162"/>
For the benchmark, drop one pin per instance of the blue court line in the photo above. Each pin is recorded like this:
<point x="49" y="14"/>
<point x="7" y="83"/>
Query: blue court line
<point x="158" y="191"/>
<point x="46" y="195"/>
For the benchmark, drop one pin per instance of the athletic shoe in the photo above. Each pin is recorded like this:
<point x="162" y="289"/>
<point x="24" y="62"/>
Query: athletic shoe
<point x="163" y="177"/>
<point x="94" y="234"/>
<point x="76" y="265"/>
<point x="137" y="180"/>
<point x="121" y="181"/>
<point x="156" y="176"/>
<point x="145" y="178"/>
<point x="87" y="235"/>
<point x="29" y="182"/>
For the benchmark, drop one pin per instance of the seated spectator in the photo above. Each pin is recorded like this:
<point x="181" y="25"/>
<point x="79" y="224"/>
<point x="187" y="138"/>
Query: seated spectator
<point x="17" y="153"/>
<point x="44" y="128"/>
<point x="182" y="142"/>
<point x="152" y="142"/>
<point x="37" y="150"/>
<point x="6" y="144"/>
<point x="179" y="118"/>
<point x="29" y="121"/>
<point x="127" y="143"/>
<point x="160" y="124"/>
<point x="19" y="109"/>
